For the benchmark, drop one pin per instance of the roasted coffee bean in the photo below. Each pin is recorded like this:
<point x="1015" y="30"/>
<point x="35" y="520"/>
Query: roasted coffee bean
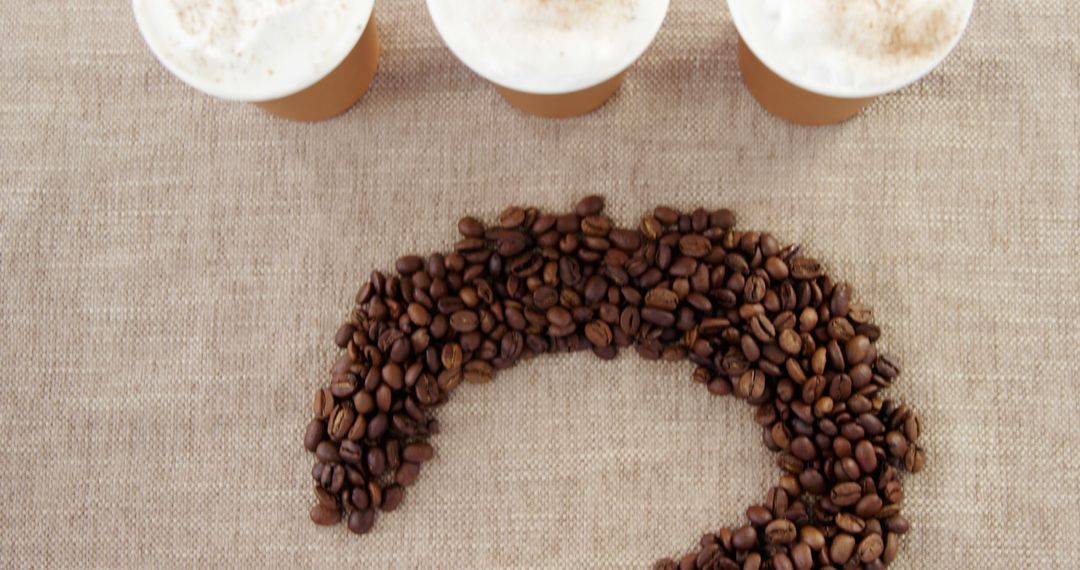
<point x="759" y="516"/>
<point x="341" y="421"/>
<point x="870" y="548"/>
<point x="351" y="452"/>
<point x="744" y="538"/>
<point x="658" y="317"/>
<point x="314" y="433"/>
<point x="408" y="264"/>
<point x="598" y="333"/>
<point x="376" y="462"/>
<point x="804" y="268"/>
<point x="361" y="521"/>
<point x="407" y="474"/>
<point x="841" y="548"/>
<point x="470" y="227"/>
<point x="327" y="452"/>
<point x="325" y="515"/>
<point x="846" y="494"/>
<point x="464" y="321"/>
<point x="377" y="426"/>
<point x="323" y="404"/>
<point x="418" y="452"/>
<point x="392" y="498"/>
<point x="695" y="246"/>
<point x="478" y="372"/>
<point x="780" y="531"/>
<point x="757" y="318"/>
<point x="915" y="459"/>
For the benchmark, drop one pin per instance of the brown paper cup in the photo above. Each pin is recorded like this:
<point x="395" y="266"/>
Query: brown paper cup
<point x="791" y="102"/>
<point x="563" y="105"/>
<point x="340" y="89"/>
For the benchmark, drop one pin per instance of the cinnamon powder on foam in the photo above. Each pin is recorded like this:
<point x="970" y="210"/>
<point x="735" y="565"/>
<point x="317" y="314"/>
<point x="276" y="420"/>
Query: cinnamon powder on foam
<point x="896" y="29"/>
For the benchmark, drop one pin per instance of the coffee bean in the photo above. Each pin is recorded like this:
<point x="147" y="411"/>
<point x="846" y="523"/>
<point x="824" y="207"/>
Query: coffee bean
<point x="409" y="264"/>
<point x="802" y="557"/>
<point x="418" y="452"/>
<point x="683" y="267"/>
<point x="695" y="246"/>
<point x="589" y="206"/>
<point x="868" y="506"/>
<point x="915" y="459"/>
<point x="870" y="548"/>
<point x="805" y="268"/>
<point x="813" y="537"/>
<point x="392" y="498"/>
<point x="666" y="215"/>
<point x="351" y="452"/>
<point x="790" y="341"/>
<point x="841" y="548"/>
<point x="762" y="328"/>
<point x="856" y="349"/>
<point x="913" y="427"/>
<point x="759" y="516"/>
<point x="751" y="385"/>
<point x="850" y="523"/>
<point x="341" y="420"/>
<point x="598" y="333"/>
<point x="419" y="315"/>
<point x="595" y="225"/>
<point x="781" y="561"/>
<point x="464" y="321"/>
<point x="865" y="455"/>
<point x="470" y="227"/>
<point x="327" y="452"/>
<point x="744" y="538"/>
<point x="478" y="372"/>
<point x="846" y="494"/>
<point x="377" y="426"/>
<point x="780" y="531"/>
<point x="323" y="404"/>
<point x="658" y="317"/>
<point x="512" y="217"/>
<point x="361" y="521"/>
<point x="314" y="433"/>
<point x="757" y="318"/>
<point x="625" y="240"/>
<point x="407" y="474"/>
<point x="661" y="298"/>
<point x="323" y="515"/>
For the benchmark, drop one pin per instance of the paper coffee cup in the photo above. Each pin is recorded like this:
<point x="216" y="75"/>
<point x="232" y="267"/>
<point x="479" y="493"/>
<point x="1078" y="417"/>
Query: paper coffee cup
<point x="819" y="62"/>
<point x="304" y="60"/>
<point x="551" y="58"/>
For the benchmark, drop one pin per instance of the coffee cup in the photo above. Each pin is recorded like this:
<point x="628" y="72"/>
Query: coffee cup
<point x="304" y="60"/>
<point x="550" y="58"/>
<point x="819" y="62"/>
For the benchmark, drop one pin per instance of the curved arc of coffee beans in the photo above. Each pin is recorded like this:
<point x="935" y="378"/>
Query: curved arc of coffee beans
<point x="760" y="321"/>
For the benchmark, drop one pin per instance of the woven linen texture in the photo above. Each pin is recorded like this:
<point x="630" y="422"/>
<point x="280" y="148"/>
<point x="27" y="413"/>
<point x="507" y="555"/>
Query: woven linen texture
<point x="173" y="268"/>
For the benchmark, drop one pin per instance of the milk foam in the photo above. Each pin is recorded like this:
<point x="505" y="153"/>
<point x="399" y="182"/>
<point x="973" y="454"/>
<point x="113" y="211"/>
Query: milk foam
<point x="548" y="46"/>
<point x="850" y="45"/>
<point x="252" y="49"/>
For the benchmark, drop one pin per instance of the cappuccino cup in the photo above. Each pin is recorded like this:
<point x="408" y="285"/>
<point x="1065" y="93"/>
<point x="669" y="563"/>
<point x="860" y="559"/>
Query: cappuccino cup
<point x="304" y="60"/>
<point x="818" y="62"/>
<point x="551" y="58"/>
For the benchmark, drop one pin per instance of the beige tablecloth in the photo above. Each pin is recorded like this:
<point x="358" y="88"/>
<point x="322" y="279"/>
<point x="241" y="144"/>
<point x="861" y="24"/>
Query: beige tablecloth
<point x="172" y="269"/>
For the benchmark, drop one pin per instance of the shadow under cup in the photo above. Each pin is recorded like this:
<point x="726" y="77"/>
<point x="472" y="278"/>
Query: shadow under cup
<point x="339" y="90"/>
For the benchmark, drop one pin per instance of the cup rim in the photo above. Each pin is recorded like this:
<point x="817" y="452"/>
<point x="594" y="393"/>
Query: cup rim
<point x="629" y="61"/>
<point x="232" y="93"/>
<point x="848" y="93"/>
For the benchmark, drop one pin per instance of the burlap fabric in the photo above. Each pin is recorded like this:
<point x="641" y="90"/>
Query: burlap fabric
<point x="172" y="269"/>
